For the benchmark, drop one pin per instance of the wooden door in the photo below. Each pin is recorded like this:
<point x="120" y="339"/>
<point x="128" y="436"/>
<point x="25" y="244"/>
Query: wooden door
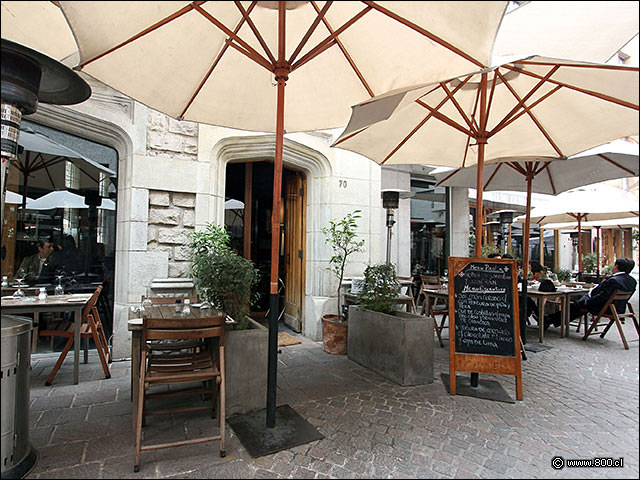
<point x="294" y="254"/>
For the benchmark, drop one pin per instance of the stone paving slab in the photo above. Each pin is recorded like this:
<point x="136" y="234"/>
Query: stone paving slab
<point x="580" y="401"/>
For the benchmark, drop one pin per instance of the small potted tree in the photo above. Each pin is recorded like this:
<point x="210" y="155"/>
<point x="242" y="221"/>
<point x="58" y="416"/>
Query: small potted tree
<point x="226" y="281"/>
<point x="398" y="345"/>
<point x="341" y="235"/>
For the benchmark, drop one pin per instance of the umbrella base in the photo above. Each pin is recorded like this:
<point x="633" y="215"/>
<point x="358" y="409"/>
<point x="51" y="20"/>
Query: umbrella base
<point x="486" y="389"/>
<point x="290" y="430"/>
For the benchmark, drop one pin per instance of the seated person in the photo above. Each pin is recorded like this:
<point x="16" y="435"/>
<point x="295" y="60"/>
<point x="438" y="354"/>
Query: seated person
<point x="67" y="260"/>
<point x="537" y="274"/>
<point x="593" y="301"/>
<point x="33" y="264"/>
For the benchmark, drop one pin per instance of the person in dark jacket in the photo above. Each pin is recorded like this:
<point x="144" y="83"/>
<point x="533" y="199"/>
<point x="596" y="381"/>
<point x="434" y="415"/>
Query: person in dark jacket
<point x="593" y="301"/>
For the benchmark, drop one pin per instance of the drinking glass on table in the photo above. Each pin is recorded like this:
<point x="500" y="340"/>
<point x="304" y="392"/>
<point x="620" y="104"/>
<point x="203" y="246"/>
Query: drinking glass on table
<point x="20" y="276"/>
<point x="59" y="290"/>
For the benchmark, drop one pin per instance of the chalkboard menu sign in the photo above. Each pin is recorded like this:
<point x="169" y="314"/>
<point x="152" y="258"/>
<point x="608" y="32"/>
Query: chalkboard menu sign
<point x="483" y="313"/>
<point x="484" y="309"/>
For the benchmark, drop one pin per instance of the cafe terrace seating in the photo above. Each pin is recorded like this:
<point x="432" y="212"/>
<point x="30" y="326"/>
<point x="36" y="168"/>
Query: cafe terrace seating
<point x="610" y="313"/>
<point x="91" y="327"/>
<point x="202" y="366"/>
<point x="437" y="307"/>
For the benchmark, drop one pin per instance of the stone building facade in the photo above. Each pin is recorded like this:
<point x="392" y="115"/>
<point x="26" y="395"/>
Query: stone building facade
<point x="171" y="181"/>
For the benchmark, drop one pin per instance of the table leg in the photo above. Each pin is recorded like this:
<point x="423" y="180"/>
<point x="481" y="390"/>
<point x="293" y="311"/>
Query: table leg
<point x="541" y="303"/>
<point x="136" y="339"/>
<point x="563" y="306"/>
<point x="77" y="319"/>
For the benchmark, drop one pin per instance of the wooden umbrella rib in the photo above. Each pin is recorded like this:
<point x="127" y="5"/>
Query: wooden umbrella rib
<point x="495" y="171"/>
<point x="473" y="117"/>
<point x="494" y="82"/>
<point x="595" y="66"/>
<point x="621" y="167"/>
<point x="424" y="32"/>
<point x="553" y="187"/>
<point x="448" y="177"/>
<point x="246" y="49"/>
<point x="517" y="167"/>
<point x="601" y="96"/>
<point x="346" y="54"/>
<point x="444" y="118"/>
<point x="531" y="115"/>
<point x="319" y="17"/>
<point x="518" y="115"/>
<point x="464" y="116"/>
<point x="329" y="41"/>
<point x="255" y="31"/>
<point x="144" y="32"/>
<point x="214" y="64"/>
<point x="520" y="104"/>
<point x="406" y="139"/>
<point x="433" y="113"/>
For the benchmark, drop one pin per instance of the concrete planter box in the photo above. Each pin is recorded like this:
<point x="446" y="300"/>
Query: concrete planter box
<point x="246" y="368"/>
<point x="398" y="346"/>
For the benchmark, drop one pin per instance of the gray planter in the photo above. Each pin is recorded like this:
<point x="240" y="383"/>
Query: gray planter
<point x="246" y="368"/>
<point x="398" y="346"/>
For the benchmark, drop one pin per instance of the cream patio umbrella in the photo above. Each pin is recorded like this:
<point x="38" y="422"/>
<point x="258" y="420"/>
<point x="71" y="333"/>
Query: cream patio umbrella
<point x="527" y="108"/>
<point x="598" y="225"/>
<point x="228" y="64"/>
<point x="617" y="159"/>
<point x="584" y="206"/>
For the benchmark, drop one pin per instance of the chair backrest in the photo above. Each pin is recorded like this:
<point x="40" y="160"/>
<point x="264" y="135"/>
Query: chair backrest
<point x="430" y="281"/>
<point x="88" y="308"/>
<point x="170" y="300"/>
<point x="183" y="328"/>
<point x="618" y="297"/>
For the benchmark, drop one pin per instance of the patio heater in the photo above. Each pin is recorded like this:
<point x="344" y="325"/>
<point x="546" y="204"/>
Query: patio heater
<point x="505" y="218"/>
<point x="28" y="77"/>
<point x="390" y="201"/>
<point x="494" y="230"/>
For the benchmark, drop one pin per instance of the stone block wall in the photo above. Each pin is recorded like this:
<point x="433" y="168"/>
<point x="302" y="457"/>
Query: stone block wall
<point x="171" y="219"/>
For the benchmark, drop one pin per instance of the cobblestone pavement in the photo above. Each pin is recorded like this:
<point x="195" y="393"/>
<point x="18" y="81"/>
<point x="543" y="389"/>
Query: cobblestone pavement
<point x="580" y="402"/>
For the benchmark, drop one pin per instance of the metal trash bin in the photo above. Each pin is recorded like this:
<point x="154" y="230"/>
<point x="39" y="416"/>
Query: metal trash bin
<point x="18" y="456"/>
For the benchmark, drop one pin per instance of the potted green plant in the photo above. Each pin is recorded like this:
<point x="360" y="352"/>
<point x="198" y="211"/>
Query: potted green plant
<point x="341" y="235"/>
<point x="398" y="345"/>
<point x="227" y="281"/>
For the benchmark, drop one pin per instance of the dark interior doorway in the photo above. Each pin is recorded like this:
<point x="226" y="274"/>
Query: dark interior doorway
<point x="249" y="226"/>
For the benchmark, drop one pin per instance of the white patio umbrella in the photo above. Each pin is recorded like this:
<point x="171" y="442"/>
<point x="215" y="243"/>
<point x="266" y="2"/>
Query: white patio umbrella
<point x="584" y="206"/>
<point x="598" y="225"/>
<point x="218" y="63"/>
<point x="566" y="29"/>
<point x="65" y="199"/>
<point x="14" y="198"/>
<point x="528" y="108"/>
<point x="233" y="204"/>
<point x="42" y="164"/>
<point x="617" y="159"/>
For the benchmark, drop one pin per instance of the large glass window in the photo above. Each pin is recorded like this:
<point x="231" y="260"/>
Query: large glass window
<point x="67" y="200"/>
<point x="428" y="228"/>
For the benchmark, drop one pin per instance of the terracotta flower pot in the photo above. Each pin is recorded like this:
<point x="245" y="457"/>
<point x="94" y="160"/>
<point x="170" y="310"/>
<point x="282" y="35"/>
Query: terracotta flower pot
<point x="334" y="334"/>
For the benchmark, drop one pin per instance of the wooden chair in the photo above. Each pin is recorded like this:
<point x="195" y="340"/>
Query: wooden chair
<point x="409" y="292"/>
<point x="90" y="327"/>
<point x="438" y="307"/>
<point x="173" y="344"/>
<point x="609" y="312"/>
<point x="205" y="366"/>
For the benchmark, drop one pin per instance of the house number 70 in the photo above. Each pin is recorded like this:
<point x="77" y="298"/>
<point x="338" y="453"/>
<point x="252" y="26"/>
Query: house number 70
<point x="342" y="184"/>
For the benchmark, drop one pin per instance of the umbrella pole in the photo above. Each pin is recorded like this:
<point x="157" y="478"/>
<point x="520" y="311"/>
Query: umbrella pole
<point x="525" y="261"/>
<point x="598" y="254"/>
<point x="579" y="277"/>
<point x="481" y="138"/>
<point x="282" y="75"/>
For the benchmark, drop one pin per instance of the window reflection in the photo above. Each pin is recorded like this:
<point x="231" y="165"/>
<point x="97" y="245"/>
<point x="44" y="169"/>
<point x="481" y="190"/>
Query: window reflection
<point x="428" y="228"/>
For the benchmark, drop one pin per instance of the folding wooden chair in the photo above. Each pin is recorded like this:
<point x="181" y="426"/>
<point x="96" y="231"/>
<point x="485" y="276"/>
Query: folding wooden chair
<point x="204" y="366"/>
<point x="435" y="308"/>
<point x="90" y="327"/>
<point x="610" y="312"/>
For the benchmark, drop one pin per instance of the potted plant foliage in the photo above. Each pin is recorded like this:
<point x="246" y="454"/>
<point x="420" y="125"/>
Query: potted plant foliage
<point x="341" y="235"/>
<point x="398" y="345"/>
<point x="226" y="281"/>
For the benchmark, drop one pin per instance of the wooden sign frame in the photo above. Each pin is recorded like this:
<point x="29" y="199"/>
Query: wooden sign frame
<point x="483" y="363"/>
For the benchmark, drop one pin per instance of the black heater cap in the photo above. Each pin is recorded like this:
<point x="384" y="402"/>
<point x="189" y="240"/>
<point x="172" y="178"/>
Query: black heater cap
<point x="59" y="85"/>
